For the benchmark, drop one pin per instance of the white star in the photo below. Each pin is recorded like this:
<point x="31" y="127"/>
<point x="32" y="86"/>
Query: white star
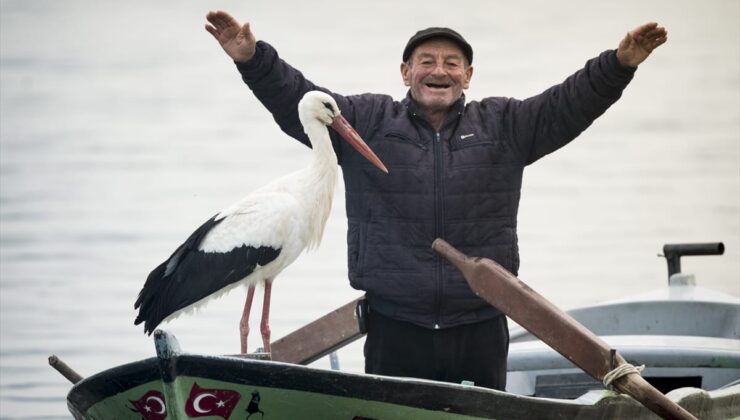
<point x="220" y="404"/>
<point x="147" y="408"/>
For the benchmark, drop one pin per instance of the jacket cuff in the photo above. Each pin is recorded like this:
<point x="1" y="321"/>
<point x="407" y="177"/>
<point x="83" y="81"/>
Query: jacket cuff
<point x="253" y="64"/>
<point x="618" y="67"/>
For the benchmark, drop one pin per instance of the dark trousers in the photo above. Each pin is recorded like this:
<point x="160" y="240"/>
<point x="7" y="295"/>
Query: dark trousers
<point x="474" y="352"/>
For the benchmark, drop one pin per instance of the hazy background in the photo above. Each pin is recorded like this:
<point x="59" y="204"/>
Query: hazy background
<point x="123" y="126"/>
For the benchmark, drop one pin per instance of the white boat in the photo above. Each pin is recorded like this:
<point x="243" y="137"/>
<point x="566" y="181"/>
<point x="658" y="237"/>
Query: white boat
<point x="684" y="335"/>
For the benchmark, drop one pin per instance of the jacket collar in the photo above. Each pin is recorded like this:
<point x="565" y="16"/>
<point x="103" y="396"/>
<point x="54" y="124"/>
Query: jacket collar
<point x="412" y="107"/>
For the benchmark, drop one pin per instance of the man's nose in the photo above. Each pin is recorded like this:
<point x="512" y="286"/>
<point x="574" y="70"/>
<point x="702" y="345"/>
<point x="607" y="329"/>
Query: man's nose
<point x="439" y="69"/>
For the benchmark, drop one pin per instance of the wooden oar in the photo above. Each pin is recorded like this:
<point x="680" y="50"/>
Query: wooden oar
<point x="554" y="327"/>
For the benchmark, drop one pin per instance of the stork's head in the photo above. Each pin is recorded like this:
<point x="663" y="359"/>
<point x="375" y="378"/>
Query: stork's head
<point x="319" y="106"/>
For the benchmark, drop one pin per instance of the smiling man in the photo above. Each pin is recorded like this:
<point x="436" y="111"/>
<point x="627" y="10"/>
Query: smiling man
<point x="455" y="172"/>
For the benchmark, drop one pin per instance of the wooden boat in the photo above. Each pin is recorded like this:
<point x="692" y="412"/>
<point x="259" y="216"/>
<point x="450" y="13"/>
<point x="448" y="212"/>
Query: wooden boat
<point x="178" y="386"/>
<point x="687" y="337"/>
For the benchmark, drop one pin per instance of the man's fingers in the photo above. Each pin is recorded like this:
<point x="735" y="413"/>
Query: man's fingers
<point x="656" y="33"/>
<point x="660" y="41"/>
<point x="221" y="20"/>
<point x="214" y="19"/>
<point x="246" y="30"/>
<point x="212" y="30"/>
<point x="220" y="23"/>
<point x="649" y="35"/>
<point x="646" y="27"/>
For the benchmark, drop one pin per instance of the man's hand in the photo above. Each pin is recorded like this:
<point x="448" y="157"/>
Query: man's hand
<point x="237" y="40"/>
<point x="639" y="43"/>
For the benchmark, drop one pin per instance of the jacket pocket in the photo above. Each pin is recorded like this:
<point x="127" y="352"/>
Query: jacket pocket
<point x="461" y="142"/>
<point x="399" y="137"/>
<point x="356" y="248"/>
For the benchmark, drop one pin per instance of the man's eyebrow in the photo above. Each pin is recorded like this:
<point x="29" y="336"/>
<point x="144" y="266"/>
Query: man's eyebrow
<point x="446" y="57"/>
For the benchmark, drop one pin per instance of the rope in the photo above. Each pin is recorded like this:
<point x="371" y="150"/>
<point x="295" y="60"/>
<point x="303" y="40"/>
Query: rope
<point x="620" y="371"/>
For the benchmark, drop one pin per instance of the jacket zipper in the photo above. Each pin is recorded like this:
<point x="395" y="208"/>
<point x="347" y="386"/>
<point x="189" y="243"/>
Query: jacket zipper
<point x="438" y="226"/>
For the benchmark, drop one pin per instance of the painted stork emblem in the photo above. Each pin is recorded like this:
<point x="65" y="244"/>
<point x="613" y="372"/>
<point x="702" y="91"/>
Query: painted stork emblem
<point x="211" y="402"/>
<point x="254" y="405"/>
<point x="151" y="406"/>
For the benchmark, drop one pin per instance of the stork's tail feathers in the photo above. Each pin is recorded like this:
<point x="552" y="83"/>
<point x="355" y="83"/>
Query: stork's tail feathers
<point x="154" y="298"/>
<point x="148" y="302"/>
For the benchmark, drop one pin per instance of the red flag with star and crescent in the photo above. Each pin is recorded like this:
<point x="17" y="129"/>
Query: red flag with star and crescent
<point x="211" y="402"/>
<point x="151" y="406"/>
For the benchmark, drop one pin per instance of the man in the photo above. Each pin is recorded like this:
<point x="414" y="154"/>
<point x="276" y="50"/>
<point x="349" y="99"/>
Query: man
<point x="455" y="173"/>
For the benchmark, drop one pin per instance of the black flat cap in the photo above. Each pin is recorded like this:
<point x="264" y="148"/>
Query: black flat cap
<point x="429" y="33"/>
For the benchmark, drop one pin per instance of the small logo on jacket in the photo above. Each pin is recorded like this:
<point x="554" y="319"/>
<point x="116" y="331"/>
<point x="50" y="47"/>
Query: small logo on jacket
<point x="464" y="136"/>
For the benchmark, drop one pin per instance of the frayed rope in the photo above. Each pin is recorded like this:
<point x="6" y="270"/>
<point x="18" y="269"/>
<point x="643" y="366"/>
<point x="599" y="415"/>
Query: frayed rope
<point x="620" y="371"/>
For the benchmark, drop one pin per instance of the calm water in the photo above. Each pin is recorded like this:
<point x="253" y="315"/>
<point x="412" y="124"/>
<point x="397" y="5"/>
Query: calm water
<point x="123" y="126"/>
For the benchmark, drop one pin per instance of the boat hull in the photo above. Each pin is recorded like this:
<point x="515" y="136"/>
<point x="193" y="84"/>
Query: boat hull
<point x="185" y="386"/>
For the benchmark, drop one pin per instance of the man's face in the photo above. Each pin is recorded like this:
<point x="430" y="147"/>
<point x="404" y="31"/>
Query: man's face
<point x="437" y="73"/>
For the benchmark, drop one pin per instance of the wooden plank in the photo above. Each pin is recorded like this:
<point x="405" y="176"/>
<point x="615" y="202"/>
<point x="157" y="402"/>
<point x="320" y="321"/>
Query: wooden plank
<point x="319" y="338"/>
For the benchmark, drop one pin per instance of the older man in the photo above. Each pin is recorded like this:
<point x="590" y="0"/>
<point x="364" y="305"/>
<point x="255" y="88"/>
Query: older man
<point x="455" y="172"/>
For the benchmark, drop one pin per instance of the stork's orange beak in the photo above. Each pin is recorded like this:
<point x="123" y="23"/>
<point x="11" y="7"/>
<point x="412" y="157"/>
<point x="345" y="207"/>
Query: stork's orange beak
<point x="341" y="125"/>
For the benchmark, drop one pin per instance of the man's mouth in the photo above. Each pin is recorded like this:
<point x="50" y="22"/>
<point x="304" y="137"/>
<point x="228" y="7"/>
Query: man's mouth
<point x="437" y="85"/>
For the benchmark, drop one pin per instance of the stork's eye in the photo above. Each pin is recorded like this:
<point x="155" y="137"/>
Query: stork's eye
<point x="328" y="106"/>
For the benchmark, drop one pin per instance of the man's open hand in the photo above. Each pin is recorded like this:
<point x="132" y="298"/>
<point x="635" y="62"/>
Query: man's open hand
<point x="238" y="41"/>
<point x="639" y="43"/>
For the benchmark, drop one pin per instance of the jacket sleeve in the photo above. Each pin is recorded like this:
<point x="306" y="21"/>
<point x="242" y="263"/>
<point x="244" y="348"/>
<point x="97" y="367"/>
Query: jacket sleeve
<point x="279" y="87"/>
<point x="546" y="122"/>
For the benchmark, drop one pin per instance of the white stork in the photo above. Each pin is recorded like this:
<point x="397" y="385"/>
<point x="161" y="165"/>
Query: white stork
<point x="252" y="241"/>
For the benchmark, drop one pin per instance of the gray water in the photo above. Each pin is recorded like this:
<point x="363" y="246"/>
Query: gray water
<point x="123" y="126"/>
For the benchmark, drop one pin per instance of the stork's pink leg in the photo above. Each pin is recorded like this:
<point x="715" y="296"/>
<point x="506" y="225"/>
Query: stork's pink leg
<point x="244" y="323"/>
<point x="265" y="324"/>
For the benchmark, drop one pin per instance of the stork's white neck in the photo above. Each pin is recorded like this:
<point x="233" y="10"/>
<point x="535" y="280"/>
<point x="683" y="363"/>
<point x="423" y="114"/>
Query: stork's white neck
<point x="322" y="180"/>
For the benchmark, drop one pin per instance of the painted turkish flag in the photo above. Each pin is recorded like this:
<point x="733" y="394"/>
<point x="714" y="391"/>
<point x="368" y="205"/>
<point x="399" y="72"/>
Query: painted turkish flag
<point x="151" y="406"/>
<point x="211" y="402"/>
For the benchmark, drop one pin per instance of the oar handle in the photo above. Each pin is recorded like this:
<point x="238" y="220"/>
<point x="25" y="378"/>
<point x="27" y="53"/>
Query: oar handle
<point x="553" y="326"/>
<point x="64" y="369"/>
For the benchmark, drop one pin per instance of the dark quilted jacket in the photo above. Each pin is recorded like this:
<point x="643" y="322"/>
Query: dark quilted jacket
<point x="461" y="184"/>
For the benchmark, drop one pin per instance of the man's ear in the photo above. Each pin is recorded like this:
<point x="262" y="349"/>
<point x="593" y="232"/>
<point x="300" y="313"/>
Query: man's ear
<point x="406" y="74"/>
<point x="468" y="76"/>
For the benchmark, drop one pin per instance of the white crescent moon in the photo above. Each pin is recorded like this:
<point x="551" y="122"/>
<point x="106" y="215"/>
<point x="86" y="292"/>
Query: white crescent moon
<point x="196" y="403"/>
<point x="160" y="402"/>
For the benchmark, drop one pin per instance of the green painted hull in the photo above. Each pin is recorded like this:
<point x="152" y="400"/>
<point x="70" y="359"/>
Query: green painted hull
<point x="181" y="386"/>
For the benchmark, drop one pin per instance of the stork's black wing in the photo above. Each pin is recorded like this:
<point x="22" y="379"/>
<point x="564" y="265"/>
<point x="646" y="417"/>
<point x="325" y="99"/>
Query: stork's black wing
<point x="190" y="275"/>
